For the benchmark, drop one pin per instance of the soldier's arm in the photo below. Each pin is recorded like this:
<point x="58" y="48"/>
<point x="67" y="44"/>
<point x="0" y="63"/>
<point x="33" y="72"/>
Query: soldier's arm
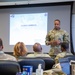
<point x="48" y="40"/>
<point x="66" y="37"/>
<point x="57" y="58"/>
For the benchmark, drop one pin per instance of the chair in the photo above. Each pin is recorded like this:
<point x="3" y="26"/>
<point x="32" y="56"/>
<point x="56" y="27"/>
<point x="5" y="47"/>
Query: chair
<point x="31" y="62"/>
<point x="49" y="62"/>
<point x="10" y="53"/>
<point x="9" y="67"/>
<point x="69" y="57"/>
<point x="65" y="64"/>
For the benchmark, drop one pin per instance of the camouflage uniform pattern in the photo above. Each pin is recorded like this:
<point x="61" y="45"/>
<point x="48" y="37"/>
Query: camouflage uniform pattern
<point x="61" y="55"/>
<point x="54" y="34"/>
<point x="53" y="72"/>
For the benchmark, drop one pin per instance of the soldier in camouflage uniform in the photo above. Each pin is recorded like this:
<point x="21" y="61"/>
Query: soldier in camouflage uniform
<point x="64" y="49"/>
<point x="55" y="37"/>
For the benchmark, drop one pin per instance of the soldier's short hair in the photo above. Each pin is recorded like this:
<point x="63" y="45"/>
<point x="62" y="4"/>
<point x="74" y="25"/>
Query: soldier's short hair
<point x="65" y="45"/>
<point x="57" y="20"/>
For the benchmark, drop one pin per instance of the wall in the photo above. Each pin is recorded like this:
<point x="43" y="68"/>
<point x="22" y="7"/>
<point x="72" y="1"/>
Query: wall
<point x="4" y="33"/>
<point x="19" y="2"/>
<point x="73" y="8"/>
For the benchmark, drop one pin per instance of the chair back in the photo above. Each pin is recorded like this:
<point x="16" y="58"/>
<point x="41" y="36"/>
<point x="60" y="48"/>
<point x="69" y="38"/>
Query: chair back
<point x="49" y="62"/>
<point x="31" y="62"/>
<point x="9" y="67"/>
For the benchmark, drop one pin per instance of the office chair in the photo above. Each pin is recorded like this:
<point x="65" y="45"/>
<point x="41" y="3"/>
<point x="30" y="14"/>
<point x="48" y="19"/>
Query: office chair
<point x="31" y="62"/>
<point x="9" y="67"/>
<point x="49" y="62"/>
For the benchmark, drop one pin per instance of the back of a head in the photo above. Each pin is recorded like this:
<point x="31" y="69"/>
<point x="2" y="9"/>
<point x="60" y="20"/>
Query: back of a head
<point x="65" y="46"/>
<point x="20" y="49"/>
<point x="37" y="47"/>
<point x="1" y="43"/>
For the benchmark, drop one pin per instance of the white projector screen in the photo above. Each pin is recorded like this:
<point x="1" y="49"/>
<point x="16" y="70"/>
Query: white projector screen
<point x="28" y="26"/>
<point x="31" y="24"/>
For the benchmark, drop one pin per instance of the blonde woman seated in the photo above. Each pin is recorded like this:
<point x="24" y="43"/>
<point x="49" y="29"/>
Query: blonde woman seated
<point x="20" y="50"/>
<point x="37" y="48"/>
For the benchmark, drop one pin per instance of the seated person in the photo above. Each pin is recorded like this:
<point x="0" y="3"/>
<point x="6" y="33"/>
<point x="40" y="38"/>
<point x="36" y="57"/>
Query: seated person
<point x="56" y="70"/>
<point x="37" y="48"/>
<point x="64" y="49"/>
<point x="4" y="56"/>
<point x="20" y="50"/>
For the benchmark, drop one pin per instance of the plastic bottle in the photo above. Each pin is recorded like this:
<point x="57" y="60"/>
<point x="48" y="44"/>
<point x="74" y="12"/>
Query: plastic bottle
<point x="39" y="71"/>
<point x="24" y="71"/>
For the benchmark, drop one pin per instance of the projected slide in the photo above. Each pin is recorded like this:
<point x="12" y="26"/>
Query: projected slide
<point x="28" y="28"/>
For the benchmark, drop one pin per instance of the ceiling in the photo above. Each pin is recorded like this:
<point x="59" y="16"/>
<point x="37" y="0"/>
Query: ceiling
<point x="35" y="0"/>
<point x="21" y="2"/>
<point x="11" y="0"/>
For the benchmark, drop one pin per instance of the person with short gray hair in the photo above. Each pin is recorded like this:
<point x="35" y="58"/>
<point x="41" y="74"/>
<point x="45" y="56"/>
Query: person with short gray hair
<point x="37" y="48"/>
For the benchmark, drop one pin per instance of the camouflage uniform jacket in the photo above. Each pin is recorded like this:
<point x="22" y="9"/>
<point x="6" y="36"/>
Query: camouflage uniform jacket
<point x="54" y="34"/>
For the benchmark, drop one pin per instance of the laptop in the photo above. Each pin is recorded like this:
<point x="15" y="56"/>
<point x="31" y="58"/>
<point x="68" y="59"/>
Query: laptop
<point x="65" y="65"/>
